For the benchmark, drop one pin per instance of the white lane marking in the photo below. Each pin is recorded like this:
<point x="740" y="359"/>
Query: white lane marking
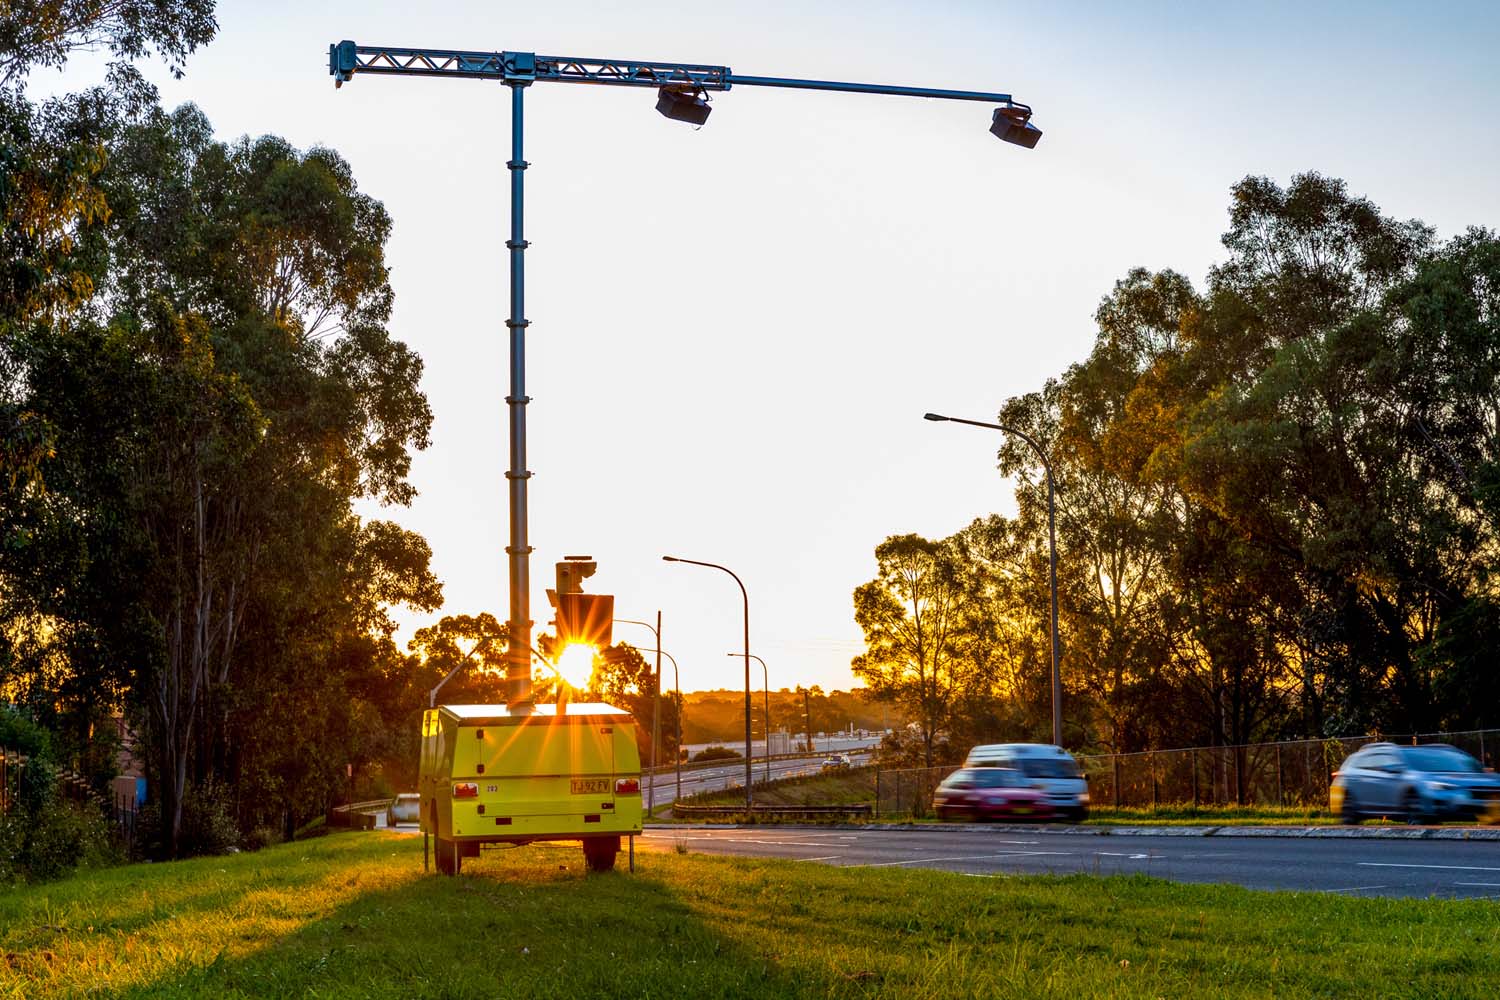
<point x="1480" y="885"/>
<point x="1132" y="857"/>
<point x="1450" y="868"/>
<point x="826" y="857"/>
<point x="1356" y="888"/>
<point x="970" y="857"/>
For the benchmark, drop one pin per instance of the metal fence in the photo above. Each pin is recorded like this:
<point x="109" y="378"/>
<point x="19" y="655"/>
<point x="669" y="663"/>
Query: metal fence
<point x="1288" y="773"/>
<point x="907" y="791"/>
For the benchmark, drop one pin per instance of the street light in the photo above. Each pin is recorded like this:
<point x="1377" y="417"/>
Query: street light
<point x="677" y="694"/>
<point x="1051" y="557"/>
<point x="766" y="690"/>
<point x="655" y="703"/>
<point x="681" y="95"/>
<point x="749" y="774"/>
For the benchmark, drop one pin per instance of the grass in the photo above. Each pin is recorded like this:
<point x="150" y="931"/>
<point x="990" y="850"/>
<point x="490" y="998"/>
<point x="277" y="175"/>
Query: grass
<point x="828" y="788"/>
<point x="1186" y="814"/>
<point x="351" y="915"/>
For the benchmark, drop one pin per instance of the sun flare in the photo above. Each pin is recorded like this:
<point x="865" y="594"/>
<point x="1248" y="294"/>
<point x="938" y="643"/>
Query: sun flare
<point x="576" y="665"/>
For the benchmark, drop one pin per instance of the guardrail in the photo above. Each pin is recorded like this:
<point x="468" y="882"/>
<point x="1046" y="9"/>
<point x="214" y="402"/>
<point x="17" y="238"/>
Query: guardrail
<point x="777" y="812"/>
<point x="740" y="761"/>
<point x="358" y="815"/>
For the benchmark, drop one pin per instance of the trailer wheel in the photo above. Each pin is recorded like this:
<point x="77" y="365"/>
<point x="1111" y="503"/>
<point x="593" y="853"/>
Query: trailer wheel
<point x="600" y="852"/>
<point x="446" y="854"/>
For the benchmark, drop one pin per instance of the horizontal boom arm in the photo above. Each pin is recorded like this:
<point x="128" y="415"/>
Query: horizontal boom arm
<point x="346" y="58"/>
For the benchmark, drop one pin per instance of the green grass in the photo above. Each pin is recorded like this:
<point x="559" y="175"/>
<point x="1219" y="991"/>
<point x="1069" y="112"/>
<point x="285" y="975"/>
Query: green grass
<point x="1185" y="814"/>
<point x="351" y="915"/>
<point x="829" y="788"/>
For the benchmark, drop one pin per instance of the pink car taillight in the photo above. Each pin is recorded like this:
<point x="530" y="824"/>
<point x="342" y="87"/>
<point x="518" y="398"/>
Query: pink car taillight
<point x="628" y="786"/>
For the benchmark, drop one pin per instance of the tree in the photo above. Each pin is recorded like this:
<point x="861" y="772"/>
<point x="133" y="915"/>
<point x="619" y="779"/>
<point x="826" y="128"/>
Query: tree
<point x="911" y="614"/>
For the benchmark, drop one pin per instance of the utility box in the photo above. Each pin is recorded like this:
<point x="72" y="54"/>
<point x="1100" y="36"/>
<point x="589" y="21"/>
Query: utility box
<point x="569" y="772"/>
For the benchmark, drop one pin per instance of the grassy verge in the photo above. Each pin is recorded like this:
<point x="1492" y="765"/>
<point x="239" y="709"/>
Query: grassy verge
<point x="830" y="788"/>
<point x="351" y="915"/>
<point x="1189" y="815"/>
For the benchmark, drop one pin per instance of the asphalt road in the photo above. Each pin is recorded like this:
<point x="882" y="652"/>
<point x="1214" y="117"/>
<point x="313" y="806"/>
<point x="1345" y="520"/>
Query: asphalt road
<point x="720" y="777"/>
<point x="1355" y="867"/>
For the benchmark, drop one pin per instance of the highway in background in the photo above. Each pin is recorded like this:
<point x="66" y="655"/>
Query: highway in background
<point x="730" y="773"/>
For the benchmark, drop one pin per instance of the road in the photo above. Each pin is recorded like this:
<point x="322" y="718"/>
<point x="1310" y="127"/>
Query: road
<point x="1354" y="867"/>
<point x="704" y="779"/>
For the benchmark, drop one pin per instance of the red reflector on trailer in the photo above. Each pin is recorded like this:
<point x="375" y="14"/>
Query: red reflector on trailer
<point x="466" y="790"/>
<point x="628" y="786"/>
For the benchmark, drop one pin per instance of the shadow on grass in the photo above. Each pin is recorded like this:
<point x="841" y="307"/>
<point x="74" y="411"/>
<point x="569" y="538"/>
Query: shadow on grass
<point x="530" y="922"/>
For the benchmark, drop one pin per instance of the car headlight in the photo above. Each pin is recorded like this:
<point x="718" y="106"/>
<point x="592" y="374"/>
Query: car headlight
<point x="1439" y="786"/>
<point x="1083" y="797"/>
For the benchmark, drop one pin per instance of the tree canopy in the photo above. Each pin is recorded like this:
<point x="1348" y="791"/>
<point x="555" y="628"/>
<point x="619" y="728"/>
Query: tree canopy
<point x="1276" y="499"/>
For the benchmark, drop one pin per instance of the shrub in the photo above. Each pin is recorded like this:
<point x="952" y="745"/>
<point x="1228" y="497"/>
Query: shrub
<point x="261" y="836"/>
<point x="716" y="753"/>
<point x="208" y="825"/>
<point x="53" y="841"/>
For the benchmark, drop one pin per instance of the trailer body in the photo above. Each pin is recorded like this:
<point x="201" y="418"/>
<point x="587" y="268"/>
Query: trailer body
<point x="491" y="777"/>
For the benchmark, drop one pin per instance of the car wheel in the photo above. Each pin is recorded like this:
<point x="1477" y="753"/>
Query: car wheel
<point x="599" y="853"/>
<point x="1349" y="812"/>
<point x="1412" y="810"/>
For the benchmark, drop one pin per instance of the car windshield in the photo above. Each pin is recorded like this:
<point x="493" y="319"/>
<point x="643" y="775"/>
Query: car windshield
<point x="985" y="777"/>
<point x="1049" y="767"/>
<point x="1444" y="759"/>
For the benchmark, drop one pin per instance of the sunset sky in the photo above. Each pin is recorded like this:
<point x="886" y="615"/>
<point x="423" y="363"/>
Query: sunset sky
<point x="736" y="330"/>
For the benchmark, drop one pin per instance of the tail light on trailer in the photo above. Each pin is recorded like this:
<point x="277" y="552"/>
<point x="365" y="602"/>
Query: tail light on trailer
<point x="465" y="790"/>
<point x="628" y="786"/>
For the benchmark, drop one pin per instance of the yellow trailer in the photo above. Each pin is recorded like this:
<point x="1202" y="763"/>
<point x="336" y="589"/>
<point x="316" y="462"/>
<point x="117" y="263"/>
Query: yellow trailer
<point x="492" y="777"/>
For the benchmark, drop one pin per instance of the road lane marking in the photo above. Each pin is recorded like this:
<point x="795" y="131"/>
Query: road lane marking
<point x="1132" y="857"/>
<point x="970" y="857"/>
<point x="1480" y="885"/>
<point x="826" y="857"/>
<point x="1356" y="888"/>
<point x="1450" y="868"/>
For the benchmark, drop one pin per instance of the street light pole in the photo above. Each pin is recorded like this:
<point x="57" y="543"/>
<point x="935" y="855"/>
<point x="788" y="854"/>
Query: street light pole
<point x="655" y="704"/>
<point x="1051" y="557"/>
<point x="766" y="691"/>
<point x="682" y="90"/>
<point x="749" y="774"/>
<point x="677" y="695"/>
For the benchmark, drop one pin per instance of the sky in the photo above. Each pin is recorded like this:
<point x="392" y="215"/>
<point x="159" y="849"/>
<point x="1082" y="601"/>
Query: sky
<point x="736" y="329"/>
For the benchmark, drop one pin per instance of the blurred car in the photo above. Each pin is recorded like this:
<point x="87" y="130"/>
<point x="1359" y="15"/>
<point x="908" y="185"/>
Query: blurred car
<point x="1422" y="784"/>
<point x="838" y="762"/>
<point x="1050" y="769"/>
<point x="990" y="793"/>
<point x="406" y="808"/>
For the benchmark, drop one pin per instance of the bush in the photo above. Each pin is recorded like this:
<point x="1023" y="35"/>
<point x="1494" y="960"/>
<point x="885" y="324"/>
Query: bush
<point x="717" y="753"/>
<point x="208" y="825"/>
<point x="51" y="842"/>
<point x="261" y="836"/>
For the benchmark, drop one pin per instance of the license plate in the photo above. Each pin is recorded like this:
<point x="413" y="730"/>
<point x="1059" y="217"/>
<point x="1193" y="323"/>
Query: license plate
<point x="589" y="786"/>
<point x="1022" y="810"/>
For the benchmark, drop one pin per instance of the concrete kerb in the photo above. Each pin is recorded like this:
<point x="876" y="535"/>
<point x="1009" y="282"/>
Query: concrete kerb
<point x="1314" y="832"/>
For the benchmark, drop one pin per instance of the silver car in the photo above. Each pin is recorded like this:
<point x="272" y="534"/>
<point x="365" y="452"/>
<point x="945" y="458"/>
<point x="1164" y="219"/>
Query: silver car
<point x="1423" y="784"/>
<point x="405" y="808"/>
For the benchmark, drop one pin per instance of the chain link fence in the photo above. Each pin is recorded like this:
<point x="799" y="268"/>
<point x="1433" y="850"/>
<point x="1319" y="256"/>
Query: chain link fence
<point x="1288" y="773"/>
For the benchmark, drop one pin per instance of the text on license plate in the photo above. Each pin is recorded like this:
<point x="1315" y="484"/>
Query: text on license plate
<point x="589" y="786"/>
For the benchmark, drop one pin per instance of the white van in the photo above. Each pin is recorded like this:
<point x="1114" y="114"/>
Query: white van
<point x="1049" y="768"/>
